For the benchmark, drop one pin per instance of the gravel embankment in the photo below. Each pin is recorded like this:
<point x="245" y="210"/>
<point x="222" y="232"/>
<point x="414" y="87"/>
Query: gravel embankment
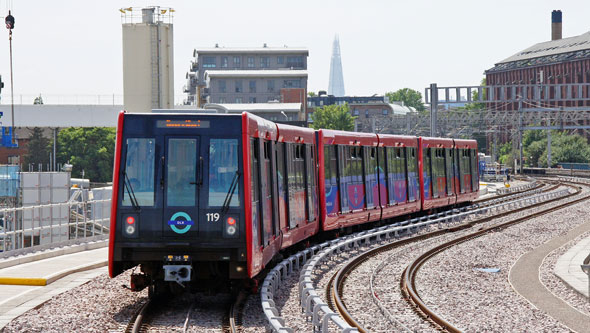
<point x="100" y="305"/>
<point x="479" y="301"/>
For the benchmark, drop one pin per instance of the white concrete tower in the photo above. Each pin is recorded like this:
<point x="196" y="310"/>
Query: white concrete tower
<point x="336" y="83"/>
<point x="148" y="59"/>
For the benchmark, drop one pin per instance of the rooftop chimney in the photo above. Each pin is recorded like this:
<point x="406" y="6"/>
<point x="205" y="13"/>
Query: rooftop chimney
<point x="556" y="25"/>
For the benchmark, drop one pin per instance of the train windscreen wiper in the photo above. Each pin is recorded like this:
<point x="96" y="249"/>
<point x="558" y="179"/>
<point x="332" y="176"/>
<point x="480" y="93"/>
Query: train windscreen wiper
<point x="230" y="192"/>
<point x="129" y="188"/>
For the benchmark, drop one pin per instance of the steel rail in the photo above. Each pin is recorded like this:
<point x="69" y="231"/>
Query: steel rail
<point x="408" y="280"/>
<point x="335" y="286"/>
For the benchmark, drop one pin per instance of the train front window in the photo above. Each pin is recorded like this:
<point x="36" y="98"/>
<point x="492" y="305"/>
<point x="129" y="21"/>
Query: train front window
<point x="139" y="172"/>
<point x="223" y="168"/>
<point x="182" y="171"/>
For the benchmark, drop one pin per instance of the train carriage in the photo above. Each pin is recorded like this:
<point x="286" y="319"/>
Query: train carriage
<point x="178" y="193"/>
<point x="467" y="171"/>
<point x="436" y="172"/>
<point x="348" y="178"/>
<point x="398" y="175"/>
<point x="297" y="180"/>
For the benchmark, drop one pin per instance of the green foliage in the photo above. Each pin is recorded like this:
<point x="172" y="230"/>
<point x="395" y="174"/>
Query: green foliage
<point x="38" y="148"/>
<point x="505" y="153"/>
<point x="410" y="97"/>
<point x="564" y="148"/>
<point x="311" y="94"/>
<point x="335" y="117"/>
<point x="88" y="149"/>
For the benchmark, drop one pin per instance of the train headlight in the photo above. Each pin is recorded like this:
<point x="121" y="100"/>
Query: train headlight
<point x="231" y="227"/>
<point x="129" y="226"/>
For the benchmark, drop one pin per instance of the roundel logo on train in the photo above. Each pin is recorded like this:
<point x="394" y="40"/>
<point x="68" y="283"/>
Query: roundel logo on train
<point x="180" y="222"/>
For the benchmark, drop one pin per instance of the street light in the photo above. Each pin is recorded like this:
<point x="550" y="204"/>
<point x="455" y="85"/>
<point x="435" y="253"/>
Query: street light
<point x="284" y="114"/>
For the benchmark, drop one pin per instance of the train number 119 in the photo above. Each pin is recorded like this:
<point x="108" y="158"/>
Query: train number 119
<point x="212" y="217"/>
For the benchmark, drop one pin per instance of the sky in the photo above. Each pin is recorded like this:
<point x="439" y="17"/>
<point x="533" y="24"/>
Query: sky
<point x="74" y="47"/>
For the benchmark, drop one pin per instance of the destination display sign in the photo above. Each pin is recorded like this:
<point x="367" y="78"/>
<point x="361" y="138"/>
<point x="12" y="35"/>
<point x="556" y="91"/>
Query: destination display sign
<point x="187" y="123"/>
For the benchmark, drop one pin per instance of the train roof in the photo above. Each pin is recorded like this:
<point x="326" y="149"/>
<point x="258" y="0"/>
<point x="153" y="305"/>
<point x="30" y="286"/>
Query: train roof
<point x="259" y="127"/>
<point x="289" y="133"/>
<point x="470" y="144"/>
<point x="390" y="140"/>
<point x="436" y="142"/>
<point x="348" y="138"/>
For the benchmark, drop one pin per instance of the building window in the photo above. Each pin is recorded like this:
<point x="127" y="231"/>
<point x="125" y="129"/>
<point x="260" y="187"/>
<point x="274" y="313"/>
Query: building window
<point x="292" y="84"/>
<point x="252" y="86"/>
<point x="237" y="62"/>
<point x="366" y="113"/>
<point x="280" y="60"/>
<point x="224" y="62"/>
<point x="239" y="86"/>
<point x="271" y="85"/>
<point x="252" y="99"/>
<point x="385" y="112"/>
<point x="295" y="61"/>
<point x="264" y="62"/>
<point x="238" y="99"/>
<point x="221" y="100"/>
<point x="209" y="62"/>
<point x="250" y="62"/>
<point x="222" y="86"/>
<point x="355" y="112"/>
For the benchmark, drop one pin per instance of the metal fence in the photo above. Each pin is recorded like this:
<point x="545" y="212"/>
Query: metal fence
<point x="33" y="228"/>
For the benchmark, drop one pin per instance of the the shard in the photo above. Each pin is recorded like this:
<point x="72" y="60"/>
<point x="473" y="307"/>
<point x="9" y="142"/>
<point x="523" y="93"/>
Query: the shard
<point x="336" y="84"/>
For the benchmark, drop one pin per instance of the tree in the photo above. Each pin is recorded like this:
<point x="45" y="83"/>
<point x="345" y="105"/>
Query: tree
<point x="409" y="96"/>
<point x="88" y="149"/>
<point x="311" y="94"/>
<point x="37" y="148"/>
<point x="335" y="117"/>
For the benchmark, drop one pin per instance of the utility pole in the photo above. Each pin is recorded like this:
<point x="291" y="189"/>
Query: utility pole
<point x="433" y="108"/>
<point x="520" y="132"/>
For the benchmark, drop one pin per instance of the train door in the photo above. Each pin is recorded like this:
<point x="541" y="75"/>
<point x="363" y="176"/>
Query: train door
<point x="181" y="176"/>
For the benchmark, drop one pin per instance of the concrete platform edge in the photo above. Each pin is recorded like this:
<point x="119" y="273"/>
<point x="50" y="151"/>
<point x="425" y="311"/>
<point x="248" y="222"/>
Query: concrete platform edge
<point x="53" y="253"/>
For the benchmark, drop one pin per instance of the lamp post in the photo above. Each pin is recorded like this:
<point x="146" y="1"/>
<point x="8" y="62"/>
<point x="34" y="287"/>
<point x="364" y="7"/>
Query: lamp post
<point x="284" y="114"/>
<point x="9" y="20"/>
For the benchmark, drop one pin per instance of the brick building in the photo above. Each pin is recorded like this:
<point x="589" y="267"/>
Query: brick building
<point x="558" y="61"/>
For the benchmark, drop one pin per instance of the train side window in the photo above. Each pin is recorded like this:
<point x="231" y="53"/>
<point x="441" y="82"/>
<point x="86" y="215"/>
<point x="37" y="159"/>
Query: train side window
<point x="139" y="171"/>
<point x="255" y="191"/>
<point x="413" y="176"/>
<point x="310" y="181"/>
<point x="371" y="174"/>
<point x="391" y="174"/>
<point x="283" y="201"/>
<point x="266" y="188"/>
<point x="345" y="175"/>
<point x="427" y="173"/>
<point x="448" y="152"/>
<point x="382" y="168"/>
<point x="474" y="169"/>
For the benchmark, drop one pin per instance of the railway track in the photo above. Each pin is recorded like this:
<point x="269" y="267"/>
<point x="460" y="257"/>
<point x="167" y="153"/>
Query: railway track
<point x="153" y="315"/>
<point x="408" y="280"/>
<point x="334" y="289"/>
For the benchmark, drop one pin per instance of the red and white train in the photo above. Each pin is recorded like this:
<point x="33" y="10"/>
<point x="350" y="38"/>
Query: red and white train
<point x="214" y="197"/>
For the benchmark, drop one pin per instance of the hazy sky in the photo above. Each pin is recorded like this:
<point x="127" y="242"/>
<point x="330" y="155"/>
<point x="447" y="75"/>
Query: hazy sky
<point x="73" y="47"/>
